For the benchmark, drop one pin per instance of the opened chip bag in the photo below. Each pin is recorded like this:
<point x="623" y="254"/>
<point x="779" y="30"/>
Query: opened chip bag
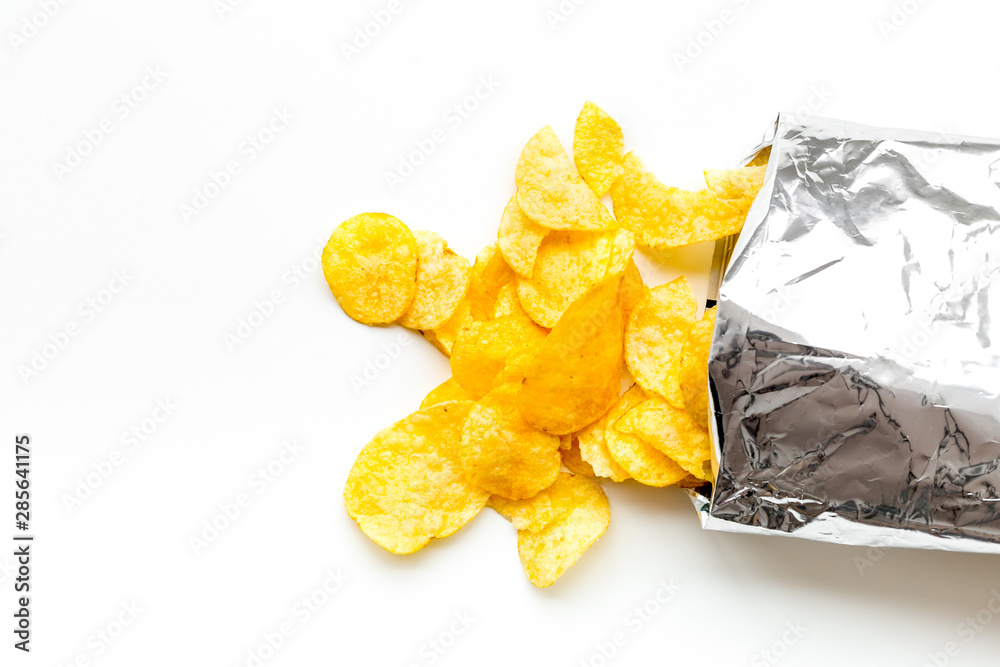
<point x="855" y="366"/>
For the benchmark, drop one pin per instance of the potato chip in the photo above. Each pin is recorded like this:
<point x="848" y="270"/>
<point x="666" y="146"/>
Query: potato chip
<point x="548" y="553"/>
<point x="568" y="264"/>
<point x="760" y="160"/>
<point x="508" y="302"/>
<point x="546" y="506"/>
<point x="519" y="239"/>
<point x="666" y="217"/>
<point x="551" y="193"/>
<point x="370" y="264"/>
<point x="516" y="365"/>
<point x="598" y="148"/>
<point x="573" y="461"/>
<point x="694" y="367"/>
<point x="444" y="336"/>
<point x="576" y="375"/>
<point x="482" y="348"/>
<point x="444" y="392"/>
<point x="442" y="283"/>
<point x="633" y="289"/>
<point x="408" y="485"/>
<point x="655" y="338"/>
<point x="504" y="454"/>
<point x="642" y="461"/>
<point x="489" y="274"/>
<point x="742" y="183"/>
<point x="594" y="451"/>
<point x="672" y="431"/>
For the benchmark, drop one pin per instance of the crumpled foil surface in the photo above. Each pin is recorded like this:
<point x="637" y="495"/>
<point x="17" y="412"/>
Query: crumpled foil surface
<point x="855" y="366"/>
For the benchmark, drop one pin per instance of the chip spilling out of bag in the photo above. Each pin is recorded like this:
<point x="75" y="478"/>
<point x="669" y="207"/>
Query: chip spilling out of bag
<point x="540" y="331"/>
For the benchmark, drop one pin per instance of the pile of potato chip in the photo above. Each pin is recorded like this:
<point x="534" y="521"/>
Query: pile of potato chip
<point x="541" y="330"/>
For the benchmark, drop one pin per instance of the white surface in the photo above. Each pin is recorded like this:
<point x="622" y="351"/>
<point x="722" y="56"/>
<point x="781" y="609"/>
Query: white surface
<point x="163" y="336"/>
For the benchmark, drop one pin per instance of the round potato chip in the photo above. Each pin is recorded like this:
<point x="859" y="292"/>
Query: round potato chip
<point x="643" y="462"/>
<point x="502" y="453"/>
<point x="655" y="338"/>
<point x="519" y="239"/>
<point x="548" y="553"/>
<point x="594" y="451"/>
<point x="408" y="485"/>
<point x="482" y="349"/>
<point x="742" y="183"/>
<point x="551" y="193"/>
<point x="370" y="264"/>
<point x="576" y="375"/>
<point x="568" y="264"/>
<point x="672" y="431"/>
<point x="444" y="392"/>
<point x="489" y="275"/>
<point x="666" y="217"/>
<point x="694" y="367"/>
<point x="442" y="283"/>
<point x="546" y="506"/>
<point x="598" y="148"/>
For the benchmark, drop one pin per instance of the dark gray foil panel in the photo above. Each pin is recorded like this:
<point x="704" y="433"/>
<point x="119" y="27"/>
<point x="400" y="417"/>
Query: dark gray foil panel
<point x="854" y="368"/>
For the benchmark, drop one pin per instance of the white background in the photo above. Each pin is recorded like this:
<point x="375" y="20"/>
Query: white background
<point x="163" y="337"/>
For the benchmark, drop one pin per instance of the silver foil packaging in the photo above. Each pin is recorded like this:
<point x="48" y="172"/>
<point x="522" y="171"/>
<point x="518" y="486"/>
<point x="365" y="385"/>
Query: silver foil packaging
<point x="855" y="366"/>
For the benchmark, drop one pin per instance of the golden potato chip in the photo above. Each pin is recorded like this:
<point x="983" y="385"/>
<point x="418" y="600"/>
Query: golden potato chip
<point x="569" y="264"/>
<point x="742" y="183"/>
<point x="546" y="506"/>
<point x="517" y="364"/>
<point x="370" y="264"/>
<point x="408" y="485"/>
<point x="594" y="451"/>
<point x="633" y="289"/>
<point x="519" y="239"/>
<point x="598" y="148"/>
<point x="694" y="367"/>
<point x="573" y="461"/>
<point x="444" y="392"/>
<point x="576" y="375"/>
<point x="666" y="217"/>
<point x="655" y="338"/>
<point x="760" y="160"/>
<point x="502" y="453"/>
<point x="444" y="336"/>
<point x="672" y="431"/>
<point x="442" y="283"/>
<point x="482" y="348"/>
<point x="642" y="461"/>
<point x="547" y="553"/>
<point x="508" y="302"/>
<point x="489" y="274"/>
<point x="551" y="193"/>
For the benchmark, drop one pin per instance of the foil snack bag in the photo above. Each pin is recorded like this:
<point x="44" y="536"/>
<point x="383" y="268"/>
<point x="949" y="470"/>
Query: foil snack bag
<point x="855" y="366"/>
